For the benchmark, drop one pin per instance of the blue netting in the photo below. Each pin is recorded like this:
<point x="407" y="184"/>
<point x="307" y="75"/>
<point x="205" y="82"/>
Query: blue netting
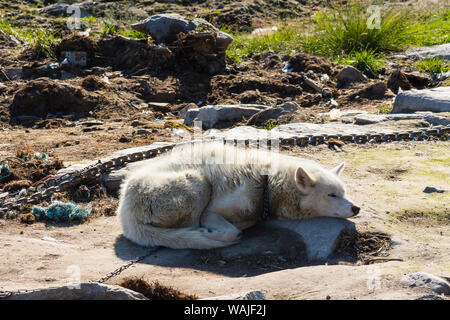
<point x="62" y="211"/>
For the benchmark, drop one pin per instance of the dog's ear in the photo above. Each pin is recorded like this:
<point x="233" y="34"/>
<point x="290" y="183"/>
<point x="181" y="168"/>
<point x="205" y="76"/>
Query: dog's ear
<point x="304" y="179"/>
<point x="338" y="169"/>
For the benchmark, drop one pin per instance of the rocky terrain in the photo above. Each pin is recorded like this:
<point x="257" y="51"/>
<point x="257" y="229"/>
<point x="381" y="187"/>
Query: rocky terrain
<point x="136" y="74"/>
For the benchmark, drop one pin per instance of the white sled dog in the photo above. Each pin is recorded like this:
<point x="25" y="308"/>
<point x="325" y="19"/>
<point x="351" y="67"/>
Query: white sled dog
<point x="195" y="197"/>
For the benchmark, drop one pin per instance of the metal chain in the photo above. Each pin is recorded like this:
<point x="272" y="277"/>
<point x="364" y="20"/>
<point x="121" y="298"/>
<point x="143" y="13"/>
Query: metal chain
<point x="7" y="294"/>
<point x="126" y="266"/>
<point x="93" y="172"/>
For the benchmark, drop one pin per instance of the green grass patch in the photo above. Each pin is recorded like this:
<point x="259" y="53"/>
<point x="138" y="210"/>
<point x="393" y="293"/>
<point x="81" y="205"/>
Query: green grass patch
<point x="437" y="215"/>
<point x="40" y="41"/>
<point x="350" y="32"/>
<point x="285" y="39"/>
<point x="350" y="28"/>
<point x="430" y="27"/>
<point x="385" y="108"/>
<point x="433" y="66"/>
<point x="367" y="61"/>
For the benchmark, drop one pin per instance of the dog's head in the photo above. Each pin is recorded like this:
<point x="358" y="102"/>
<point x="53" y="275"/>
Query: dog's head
<point x="323" y="192"/>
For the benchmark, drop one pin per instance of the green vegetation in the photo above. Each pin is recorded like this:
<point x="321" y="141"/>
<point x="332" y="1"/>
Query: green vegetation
<point x="368" y="61"/>
<point x="40" y="41"/>
<point x="349" y="32"/>
<point x="442" y="215"/>
<point x="433" y="66"/>
<point x="385" y="108"/>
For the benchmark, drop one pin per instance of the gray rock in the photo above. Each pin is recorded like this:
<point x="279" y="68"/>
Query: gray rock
<point x="264" y="115"/>
<point x="427" y="281"/>
<point x="436" y="100"/>
<point x="430" y="117"/>
<point x="348" y="75"/>
<point x="113" y="180"/>
<point x="433" y="190"/>
<point x="61" y="9"/>
<point x="221" y="115"/>
<point x="163" y="28"/>
<point x="249" y="295"/>
<point x="441" y="51"/>
<point x="320" y="235"/>
<point x="143" y="132"/>
<point x="87" y="291"/>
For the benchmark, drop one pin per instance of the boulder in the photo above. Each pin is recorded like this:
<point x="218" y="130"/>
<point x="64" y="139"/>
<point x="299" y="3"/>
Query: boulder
<point x="264" y="115"/>
<point x="220" y="116"/>
<point x="164" y="28"/>
<point x="436" y="100"/>
<point x="348" y="75"/>
<point x="65" y="10"/>
<point x="86" y="291"/>
<point x="427" y="281"/>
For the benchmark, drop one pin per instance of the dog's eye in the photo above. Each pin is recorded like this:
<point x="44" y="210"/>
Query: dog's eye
<point x="332" y="195"/>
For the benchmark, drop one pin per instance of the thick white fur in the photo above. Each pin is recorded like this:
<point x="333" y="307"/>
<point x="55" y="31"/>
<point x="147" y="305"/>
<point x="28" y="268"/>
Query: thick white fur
<point x="203" y="196"/>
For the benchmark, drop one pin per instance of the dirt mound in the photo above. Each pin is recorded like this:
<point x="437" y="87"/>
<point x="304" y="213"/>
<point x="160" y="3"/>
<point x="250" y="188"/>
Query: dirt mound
<point x="44" y="96"/>
<point x="398" y="80"/>
<point x="303" y="62"/>
<point x="197" y="48"/>
<point x="24" y="174"/>
<point x="75" y="42"/>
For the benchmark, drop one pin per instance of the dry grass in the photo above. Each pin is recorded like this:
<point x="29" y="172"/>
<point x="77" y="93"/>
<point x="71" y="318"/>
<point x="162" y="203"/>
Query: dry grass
<point x="155" y="291"/>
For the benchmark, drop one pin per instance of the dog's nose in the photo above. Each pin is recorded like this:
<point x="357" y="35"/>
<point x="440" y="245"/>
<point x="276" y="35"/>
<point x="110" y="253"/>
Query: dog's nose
<point x="355" y="210"/>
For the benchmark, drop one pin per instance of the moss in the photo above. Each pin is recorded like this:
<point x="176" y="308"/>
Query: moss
<point x="436" y="215"/>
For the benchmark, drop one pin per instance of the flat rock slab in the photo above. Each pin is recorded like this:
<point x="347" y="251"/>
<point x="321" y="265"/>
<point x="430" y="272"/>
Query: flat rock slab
<point x="441" y="51"/>
<point x="436" y="100"/>
<point x="85" y="291"/>
<point x="293" y="130"/>
<point x="249" y="295"/>
<point x="432" y="118"/>
<point x="320" y="235"/>
<point x="221" y="115"/>
<point x="125" y="152"/>
<point x="427" y="281"/>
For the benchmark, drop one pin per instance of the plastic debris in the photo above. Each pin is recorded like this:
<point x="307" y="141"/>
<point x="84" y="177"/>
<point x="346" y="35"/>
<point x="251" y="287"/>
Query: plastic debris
<point x="62" y="211"/>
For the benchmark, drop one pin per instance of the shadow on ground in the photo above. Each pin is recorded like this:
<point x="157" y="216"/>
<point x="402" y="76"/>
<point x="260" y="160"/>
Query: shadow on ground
<point x="263" y="249"/>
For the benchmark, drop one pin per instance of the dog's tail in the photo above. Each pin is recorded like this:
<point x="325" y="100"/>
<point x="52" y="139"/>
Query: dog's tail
<point x="176" y="238"/>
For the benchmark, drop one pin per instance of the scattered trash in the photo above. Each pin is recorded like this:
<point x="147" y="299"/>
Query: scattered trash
<point x="4" y="172"/>
<point x="288" y="68"/>
<point x="82" y="194"/>
<point x="62" y="211"/>
<point x="433" y="190"/>
<point x="75" y="57"/>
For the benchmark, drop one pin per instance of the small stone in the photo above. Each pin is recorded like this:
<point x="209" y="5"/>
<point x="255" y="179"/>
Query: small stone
<point x="433" y="190"/>
<point x="427" y="281"/>
<point x="348" y="75"/>
<point x="143" y="132"/>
